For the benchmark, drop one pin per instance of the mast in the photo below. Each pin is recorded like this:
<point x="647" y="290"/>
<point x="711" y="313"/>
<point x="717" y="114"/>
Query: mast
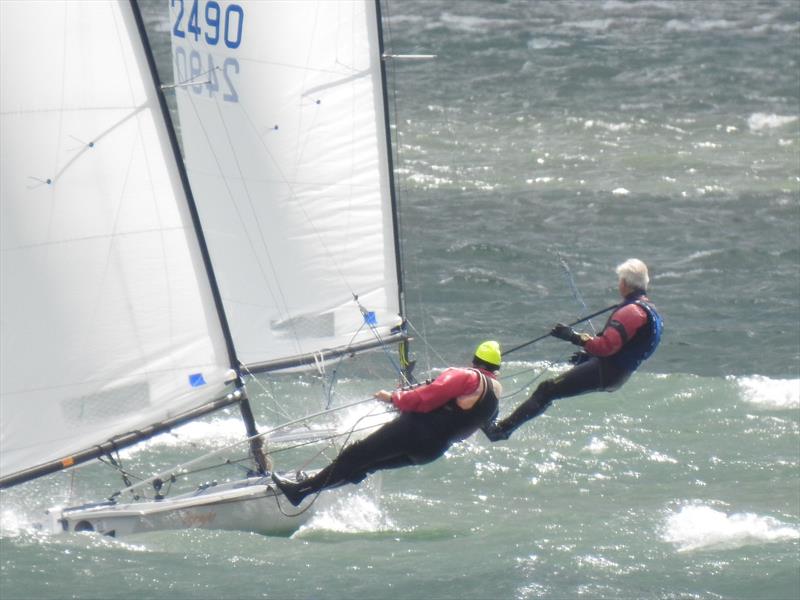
<point x="244" y="402"/>
<point x="392" y="189"/>
<point x="407" y="365"/>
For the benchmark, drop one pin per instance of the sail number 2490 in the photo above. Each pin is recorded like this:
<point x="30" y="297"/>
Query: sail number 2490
<point x="207" y="23"/>
<point x="215" y="25"/>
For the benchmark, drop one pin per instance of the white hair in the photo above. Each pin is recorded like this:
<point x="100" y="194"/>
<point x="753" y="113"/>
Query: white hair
<point x="634" y="273"/>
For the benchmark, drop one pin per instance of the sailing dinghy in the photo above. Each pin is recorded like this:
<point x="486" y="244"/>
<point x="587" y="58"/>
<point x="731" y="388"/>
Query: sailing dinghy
<point x="139" y="284"/>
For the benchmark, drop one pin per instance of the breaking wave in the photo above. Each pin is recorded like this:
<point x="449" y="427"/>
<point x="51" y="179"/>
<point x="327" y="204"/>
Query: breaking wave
<point x="703" y="528"/>
<point x="761" y="121"/>
<point x="770" y="393"/>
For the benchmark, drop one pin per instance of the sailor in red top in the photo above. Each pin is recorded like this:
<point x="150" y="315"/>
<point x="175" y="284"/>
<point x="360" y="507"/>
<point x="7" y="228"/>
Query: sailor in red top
<point x="626" y="322"/>
<point x="629" y="337"/>
<point x="452" y="383"/>
<point x="432" y="418"/>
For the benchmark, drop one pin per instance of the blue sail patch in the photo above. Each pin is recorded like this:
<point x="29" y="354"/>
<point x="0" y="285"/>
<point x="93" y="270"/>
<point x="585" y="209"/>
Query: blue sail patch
<point x="196" y="380"/>
<point x="370" y="318"/>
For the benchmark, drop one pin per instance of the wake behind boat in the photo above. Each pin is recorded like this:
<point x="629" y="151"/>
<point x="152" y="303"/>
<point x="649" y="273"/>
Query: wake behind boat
<point x="139" y="285"/>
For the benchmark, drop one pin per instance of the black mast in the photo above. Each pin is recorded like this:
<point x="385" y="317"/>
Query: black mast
<point x="407" y="366"/>
<point x="388" y="133"/>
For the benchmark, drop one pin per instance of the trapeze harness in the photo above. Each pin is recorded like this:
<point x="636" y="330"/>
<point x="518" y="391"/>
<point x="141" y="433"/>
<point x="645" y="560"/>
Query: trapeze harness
<point x="643" y="343"/>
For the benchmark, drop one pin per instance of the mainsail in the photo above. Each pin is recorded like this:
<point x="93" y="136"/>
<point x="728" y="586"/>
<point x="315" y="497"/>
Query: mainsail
<point x="283" y="123"/>
<point x="109" y="321"/>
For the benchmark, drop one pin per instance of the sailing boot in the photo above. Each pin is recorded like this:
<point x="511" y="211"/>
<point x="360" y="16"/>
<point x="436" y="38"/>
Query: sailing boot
<point x="531" y="408"/>
<point x="495" y="432"/>
<point x="294" y="491"/>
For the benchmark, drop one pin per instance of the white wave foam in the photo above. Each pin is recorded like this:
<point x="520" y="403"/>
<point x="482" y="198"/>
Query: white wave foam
<point x="592" y="24"/>
<point x="429" y="181"/>
<point x="354" y="513"/>
<point x="703" y="528"/>
<point x="643" y="5"/>
<point x="364" y="418"/>
<point x="596" y="446"/>
<point x="712" y="145"/>
<point x="472" y="24"/>
<point x="545" y="44"/>
<point x="631" y="446"/>
<point x="700" y="255"/>
<point x="12" y="523"/>
<point x="698" y="25"/>
<point x="770" y="393"/>
<point x="590" y="123"/>
<point x="761" y="121"/>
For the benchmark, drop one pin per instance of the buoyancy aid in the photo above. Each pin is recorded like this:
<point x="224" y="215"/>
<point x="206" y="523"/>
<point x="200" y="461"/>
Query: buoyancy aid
<point x="646" y="339"/>
<point x="454" y="423"/>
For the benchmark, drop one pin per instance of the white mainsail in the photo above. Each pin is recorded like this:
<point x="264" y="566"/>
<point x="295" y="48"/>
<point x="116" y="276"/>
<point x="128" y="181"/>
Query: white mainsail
<point x="282" y="119"/>
<point x="108" y="320"/>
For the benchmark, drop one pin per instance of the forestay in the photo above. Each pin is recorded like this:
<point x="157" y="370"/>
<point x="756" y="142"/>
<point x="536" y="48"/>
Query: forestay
<point x="108" y="319"/>
<point x="282" y="119"/>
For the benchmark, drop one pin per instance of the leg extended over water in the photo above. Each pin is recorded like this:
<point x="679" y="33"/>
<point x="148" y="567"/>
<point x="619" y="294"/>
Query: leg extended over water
<point x="593" y="375"/>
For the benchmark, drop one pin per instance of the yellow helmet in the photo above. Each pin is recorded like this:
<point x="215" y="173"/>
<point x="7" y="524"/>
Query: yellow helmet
<point x="489" y="352"/>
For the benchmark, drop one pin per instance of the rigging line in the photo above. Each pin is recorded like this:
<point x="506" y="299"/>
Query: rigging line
<point x="575" y="292"/>
<point x="177" y="469"/>
<point x="427" y="345"/>
<point x="191" y="80"/>
<point x="390" y="358"/>
<point x="316" y="496"/>
<point x="330" y="386"/>
<point x="330" y="436"/>
<point x="348" y="434"/>
<point x="335" y="369"/>
<point x="384" y="346"/>
<point x="267" y="392"/>
<point x="400" y="183"/>
<point x="535" y="378"/>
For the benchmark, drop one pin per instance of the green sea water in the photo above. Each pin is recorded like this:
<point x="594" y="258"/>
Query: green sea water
<point x="547" y="142"/>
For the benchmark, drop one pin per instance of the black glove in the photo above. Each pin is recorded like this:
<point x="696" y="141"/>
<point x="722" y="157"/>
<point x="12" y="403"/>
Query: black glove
<point x="566" y="333"/>
<point x="579" y="358"/>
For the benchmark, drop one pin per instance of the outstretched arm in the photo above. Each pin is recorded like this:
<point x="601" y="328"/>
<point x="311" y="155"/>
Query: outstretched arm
<point x="450" y="384"/>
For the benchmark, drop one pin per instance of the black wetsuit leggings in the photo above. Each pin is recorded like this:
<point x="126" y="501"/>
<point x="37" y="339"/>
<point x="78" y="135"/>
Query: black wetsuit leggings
<point x="594" y="375"/>
<point x="410" y="439"/>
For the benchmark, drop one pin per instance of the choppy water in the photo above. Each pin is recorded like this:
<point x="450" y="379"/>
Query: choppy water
<point x="546" y="131"/>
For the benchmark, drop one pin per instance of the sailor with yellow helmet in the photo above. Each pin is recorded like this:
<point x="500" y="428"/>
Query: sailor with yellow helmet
<point x="433" y="416"/>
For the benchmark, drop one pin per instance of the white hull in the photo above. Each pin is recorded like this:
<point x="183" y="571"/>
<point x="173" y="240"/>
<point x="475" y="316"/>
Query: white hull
<point x="251" y="504"/>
